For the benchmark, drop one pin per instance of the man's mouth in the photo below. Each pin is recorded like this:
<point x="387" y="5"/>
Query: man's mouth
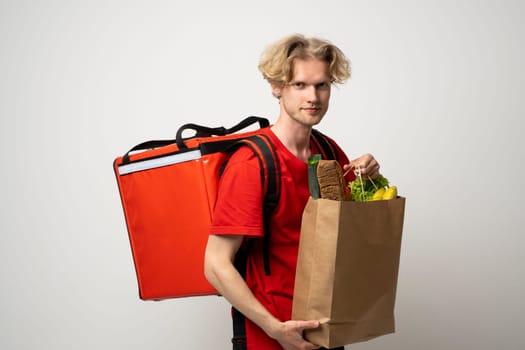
<point x="312" y="109"/>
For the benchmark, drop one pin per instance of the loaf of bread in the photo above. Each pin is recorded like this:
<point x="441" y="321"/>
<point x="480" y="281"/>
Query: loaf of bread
<point x="331" y="181"/>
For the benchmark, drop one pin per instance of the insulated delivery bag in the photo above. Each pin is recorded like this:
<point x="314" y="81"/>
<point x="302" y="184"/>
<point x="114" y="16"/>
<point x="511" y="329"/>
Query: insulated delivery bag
<point x="168" y="190"/>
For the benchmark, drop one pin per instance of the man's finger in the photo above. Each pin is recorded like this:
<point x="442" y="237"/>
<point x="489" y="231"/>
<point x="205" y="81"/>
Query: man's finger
<point x="312" y="324"/>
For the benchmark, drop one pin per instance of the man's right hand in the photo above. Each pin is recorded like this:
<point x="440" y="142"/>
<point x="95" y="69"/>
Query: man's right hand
<point x="290" y="334"/>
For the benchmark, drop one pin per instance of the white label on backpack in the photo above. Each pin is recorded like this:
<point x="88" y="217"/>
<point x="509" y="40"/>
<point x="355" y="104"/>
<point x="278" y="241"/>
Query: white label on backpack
<point x="159" y="162"/>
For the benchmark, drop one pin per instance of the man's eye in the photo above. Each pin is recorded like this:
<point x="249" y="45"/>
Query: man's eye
<point x="323" y="86"/>
<point x="299" y="85"/>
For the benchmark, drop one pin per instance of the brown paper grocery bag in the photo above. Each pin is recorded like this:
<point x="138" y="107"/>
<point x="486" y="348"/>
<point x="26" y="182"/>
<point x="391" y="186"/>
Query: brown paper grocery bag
<point x="347" y="269"/>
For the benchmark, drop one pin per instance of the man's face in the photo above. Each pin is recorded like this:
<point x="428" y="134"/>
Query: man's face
<point x="305" y="98"/>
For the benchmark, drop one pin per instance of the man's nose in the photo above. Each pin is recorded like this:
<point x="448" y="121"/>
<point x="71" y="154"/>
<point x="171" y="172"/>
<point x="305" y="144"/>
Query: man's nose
<point x="312" y="94"/>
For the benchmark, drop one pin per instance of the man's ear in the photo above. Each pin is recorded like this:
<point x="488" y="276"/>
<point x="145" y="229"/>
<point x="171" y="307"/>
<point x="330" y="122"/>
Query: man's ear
<point x="276" y="91"/>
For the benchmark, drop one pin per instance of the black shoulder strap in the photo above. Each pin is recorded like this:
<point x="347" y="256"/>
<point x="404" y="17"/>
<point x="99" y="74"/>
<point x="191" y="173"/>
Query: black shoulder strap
<point x="325" y="145"/>
<point x="264" y="150"/>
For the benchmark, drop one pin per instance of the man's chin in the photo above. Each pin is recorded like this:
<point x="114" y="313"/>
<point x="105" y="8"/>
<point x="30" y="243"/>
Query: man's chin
<point x="313" y="120"/>
<point x="309" y="120"/>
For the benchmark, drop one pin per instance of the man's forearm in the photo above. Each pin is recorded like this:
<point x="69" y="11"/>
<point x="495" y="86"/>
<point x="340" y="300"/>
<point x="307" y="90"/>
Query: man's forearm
<point x="222" y="274"/>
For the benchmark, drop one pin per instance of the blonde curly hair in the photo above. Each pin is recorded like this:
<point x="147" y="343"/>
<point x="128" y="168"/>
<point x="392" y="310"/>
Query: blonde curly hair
<point x="276" y="64"/>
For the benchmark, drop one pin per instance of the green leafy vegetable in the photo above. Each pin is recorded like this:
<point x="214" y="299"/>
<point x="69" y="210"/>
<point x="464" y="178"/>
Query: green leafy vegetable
<point x="363" y="191"/>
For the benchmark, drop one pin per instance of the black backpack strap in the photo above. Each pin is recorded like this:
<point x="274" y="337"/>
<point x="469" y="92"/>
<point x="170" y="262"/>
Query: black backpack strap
<point x="264" y="150"/>
<point x="239" y="330"/>
<point x="325" y="145"/>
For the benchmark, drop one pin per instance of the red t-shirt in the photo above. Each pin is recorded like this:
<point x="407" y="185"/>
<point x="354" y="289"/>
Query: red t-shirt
<point x="238" y="211"/>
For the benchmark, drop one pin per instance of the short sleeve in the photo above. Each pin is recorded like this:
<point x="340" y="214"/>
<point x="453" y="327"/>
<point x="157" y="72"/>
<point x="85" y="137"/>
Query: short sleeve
<point x="238" y="209"/>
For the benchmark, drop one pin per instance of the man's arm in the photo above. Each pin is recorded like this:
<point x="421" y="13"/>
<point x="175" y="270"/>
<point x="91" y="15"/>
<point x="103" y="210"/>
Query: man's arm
<point x="222" y="274"/>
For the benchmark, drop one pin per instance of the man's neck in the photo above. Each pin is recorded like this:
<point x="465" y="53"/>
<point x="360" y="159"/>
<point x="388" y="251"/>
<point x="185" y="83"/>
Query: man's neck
<point x="294" y="136"/>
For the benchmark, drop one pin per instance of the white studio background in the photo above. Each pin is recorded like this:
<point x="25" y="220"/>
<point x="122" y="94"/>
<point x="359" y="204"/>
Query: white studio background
<point x="436" y="95"/>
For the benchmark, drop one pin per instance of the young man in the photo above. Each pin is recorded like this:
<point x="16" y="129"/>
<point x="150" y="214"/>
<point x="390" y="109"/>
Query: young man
<point x="301" y="72"/>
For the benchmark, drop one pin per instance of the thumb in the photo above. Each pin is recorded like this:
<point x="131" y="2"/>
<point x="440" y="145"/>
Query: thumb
<point x="348" y="168"/>
<point x="310" y="324"/>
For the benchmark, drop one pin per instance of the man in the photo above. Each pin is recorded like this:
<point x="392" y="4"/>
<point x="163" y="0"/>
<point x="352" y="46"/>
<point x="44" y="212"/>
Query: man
<point x="301" y="72"/>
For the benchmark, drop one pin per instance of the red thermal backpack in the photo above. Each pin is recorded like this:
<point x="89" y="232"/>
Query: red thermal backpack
<point x="168" y="190"/>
